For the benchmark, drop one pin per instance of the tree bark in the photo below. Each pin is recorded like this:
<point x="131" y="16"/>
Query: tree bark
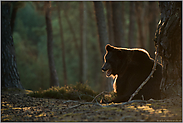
<point x="10" y="75"/>
<point x="169" y="44"/>
<point x="53" y="73"/>
<point x="62" y="45"/>
<point x="117" y="24"/>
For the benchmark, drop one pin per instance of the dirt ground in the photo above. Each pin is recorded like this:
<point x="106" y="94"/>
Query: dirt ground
<point x="17" y="106"/>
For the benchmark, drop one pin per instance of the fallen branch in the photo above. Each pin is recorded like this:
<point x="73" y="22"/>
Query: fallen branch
<point x="147" y="79"/>
<point x="68" y="101"/>
<point x="129" y="102"/>
<point x="75" y="106"/>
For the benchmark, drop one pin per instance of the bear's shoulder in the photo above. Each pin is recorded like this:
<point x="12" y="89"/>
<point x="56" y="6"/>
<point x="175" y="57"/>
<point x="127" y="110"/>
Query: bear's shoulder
<point x="137" y="50"/>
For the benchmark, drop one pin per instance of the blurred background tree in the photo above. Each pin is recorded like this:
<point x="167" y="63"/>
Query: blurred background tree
<point x="83" y="58"/>
<point x="62" y="44"/>
<point x="49" y="30"/>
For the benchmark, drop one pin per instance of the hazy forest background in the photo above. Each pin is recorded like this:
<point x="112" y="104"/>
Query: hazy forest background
<point x="138" y="24"/>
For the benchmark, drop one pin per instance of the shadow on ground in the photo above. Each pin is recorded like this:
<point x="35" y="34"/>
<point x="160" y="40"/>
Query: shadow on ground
<point x="17" y="106"/>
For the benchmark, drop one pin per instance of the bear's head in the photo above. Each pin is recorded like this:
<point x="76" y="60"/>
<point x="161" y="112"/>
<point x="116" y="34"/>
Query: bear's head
<point x="113" y="60"/>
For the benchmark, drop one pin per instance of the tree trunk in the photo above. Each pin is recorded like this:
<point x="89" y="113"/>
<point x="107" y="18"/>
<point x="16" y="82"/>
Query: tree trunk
<point x="101" y="24"/>
<point x="10" y="76"/>
<point x="145" y="23"/>
<point x="131" y="33"/>
<point x="109" y="22"/>
<point x="15" y="6"/>
<point x="13" y="17"/>
<point x="53" y="73"/>
<point x="81" y="43"/>
<point x="124" y="26"/>
<point x="62" y="45"/>
<point x="117" y="24"/>
<point x="84" y="76"/>
<point x="169" y="44"/>
<point x="138" y="8"/>
<point x="103" y="38"/>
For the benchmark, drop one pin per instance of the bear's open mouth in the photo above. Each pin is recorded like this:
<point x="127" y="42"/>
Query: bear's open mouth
<point x="108" y="72"/>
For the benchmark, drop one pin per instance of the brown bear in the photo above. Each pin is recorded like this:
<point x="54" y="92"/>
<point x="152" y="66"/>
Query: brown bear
<point x="132" y="67"/>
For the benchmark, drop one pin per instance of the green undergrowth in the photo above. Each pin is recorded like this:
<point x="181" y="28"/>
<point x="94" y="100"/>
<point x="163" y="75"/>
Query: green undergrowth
<point x="71" y="92"/>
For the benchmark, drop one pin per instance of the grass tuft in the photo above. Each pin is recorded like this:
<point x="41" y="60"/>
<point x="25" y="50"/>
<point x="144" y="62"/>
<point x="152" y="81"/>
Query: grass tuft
<point x="72" y="92"/>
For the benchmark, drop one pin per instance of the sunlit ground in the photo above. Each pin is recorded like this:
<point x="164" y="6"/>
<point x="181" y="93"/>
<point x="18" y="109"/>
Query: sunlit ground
<point x="19" y="107"/>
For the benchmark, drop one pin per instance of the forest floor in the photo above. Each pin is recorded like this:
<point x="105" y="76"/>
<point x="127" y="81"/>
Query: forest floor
<point x="17" y="106"/>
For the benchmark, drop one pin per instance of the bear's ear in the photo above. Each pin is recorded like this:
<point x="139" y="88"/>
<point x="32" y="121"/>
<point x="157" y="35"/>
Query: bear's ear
<point x="108" y="47"/>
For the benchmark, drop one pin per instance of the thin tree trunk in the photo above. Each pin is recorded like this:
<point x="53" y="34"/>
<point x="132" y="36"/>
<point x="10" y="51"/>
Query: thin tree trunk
<point x="62" y="45"/>
<point x="84" y="42"/>
<point x="131" y="33"/>
<point x="145" y="24"/>
<point x="109" y="22"/>
<point x="103" y="38"/>
<point x="123" y="19"/>
<point x="117" y="24"/>
<point x="10" y="76"/>
<point x="81" y="42"/>
<point x="101" y="24"/>
<point x="53" y="73"/>
<point x="169" y="43"/>
<point x="138" y="8"/>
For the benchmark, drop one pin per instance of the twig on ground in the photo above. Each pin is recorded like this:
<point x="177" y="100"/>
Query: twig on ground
<point x="138" y="101"/>
<point x="153" y="69"/>
<point x="68" y="101"/>
<point x="75" y="106"/>
<point x="125" y="103"/>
